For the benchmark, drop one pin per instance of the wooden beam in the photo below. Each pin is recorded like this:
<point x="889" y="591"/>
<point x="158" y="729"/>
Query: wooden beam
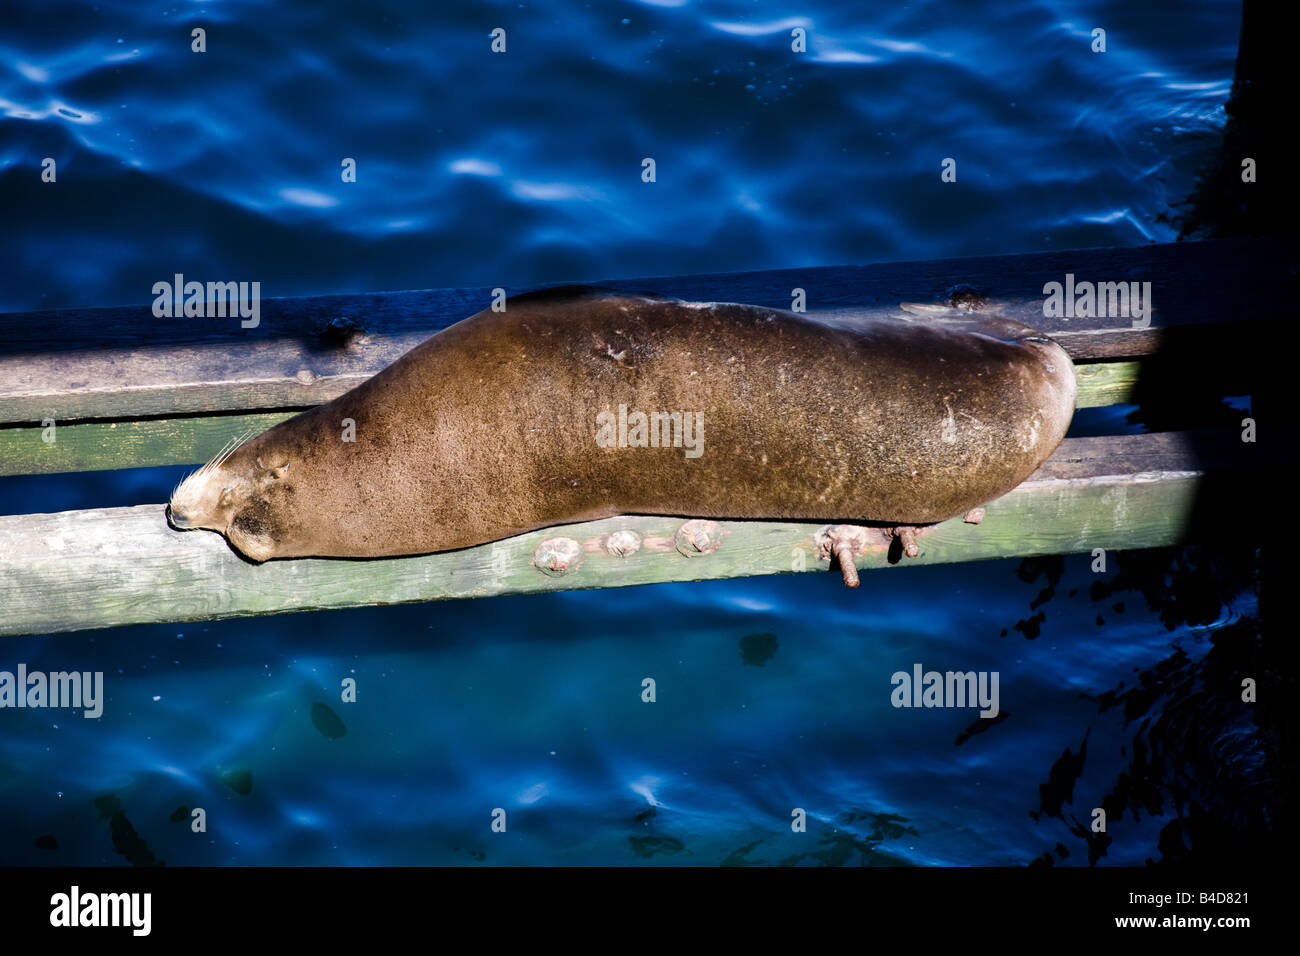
<point x="152" y="442"/>
<point x="124" y="363"/>
<point x="117" y="566"/>
<point x="192" y="439"/>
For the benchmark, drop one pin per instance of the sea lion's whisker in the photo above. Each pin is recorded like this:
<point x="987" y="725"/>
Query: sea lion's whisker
<point x="236" y="443"/>
<point x="217" y="460"/>
<point x="228" y="449"/>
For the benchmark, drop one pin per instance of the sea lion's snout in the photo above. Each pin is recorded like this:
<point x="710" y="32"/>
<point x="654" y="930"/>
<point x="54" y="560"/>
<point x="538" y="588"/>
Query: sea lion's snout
<point x="195" y="504"/>
<point x="237" y="495"/>
<point x="209" y="498"/>
<point x="177" y="519"/>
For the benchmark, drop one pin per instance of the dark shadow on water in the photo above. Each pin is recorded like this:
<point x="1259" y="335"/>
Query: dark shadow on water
<point x="1196" y="755"/>
<point x="126" y="841"/>
<point x="1217" y="768"/>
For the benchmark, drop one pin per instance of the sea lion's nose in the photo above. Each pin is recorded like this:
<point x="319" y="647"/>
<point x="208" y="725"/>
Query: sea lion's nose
<point x="178" y="520"/>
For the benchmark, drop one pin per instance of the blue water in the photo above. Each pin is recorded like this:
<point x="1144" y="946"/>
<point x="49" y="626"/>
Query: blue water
<point x="481" y="169"/>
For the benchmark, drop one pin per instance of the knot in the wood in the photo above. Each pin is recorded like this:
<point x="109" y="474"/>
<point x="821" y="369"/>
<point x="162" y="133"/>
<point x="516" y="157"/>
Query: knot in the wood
<point x="340" y="331"/>
<point x="698" y="536"/>
<point x="965" y="297"/>
<point x="557" y="556"/>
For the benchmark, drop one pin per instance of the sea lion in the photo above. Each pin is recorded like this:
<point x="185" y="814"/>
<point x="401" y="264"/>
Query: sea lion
<point x="572" y="405"/>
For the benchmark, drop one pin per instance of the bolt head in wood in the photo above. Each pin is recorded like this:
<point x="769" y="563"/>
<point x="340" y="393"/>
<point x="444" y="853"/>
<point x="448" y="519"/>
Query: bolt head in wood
<point x="698" y="536"/>
<point x="622" y="543"/>
<point x="833" y="537"/>
<point x="556" y="556"/>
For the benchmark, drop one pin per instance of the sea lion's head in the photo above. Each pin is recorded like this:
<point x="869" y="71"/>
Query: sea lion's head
<point x="238" y="494"/>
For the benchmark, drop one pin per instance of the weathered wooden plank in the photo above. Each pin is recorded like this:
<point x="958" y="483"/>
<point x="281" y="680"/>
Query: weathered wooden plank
<point x="108" y="567"/>
<point x="1196" y="450"/>
<point x="1106" y="383"/>
<point x="123" y="363"/>
<point x="99" y="445"/>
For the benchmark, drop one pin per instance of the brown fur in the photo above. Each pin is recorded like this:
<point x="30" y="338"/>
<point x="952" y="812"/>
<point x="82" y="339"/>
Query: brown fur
<point x="488" y="429"/>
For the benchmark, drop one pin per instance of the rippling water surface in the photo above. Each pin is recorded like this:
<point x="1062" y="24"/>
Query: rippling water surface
<point x="480" y="169"/>
<point x="524" y="167"/>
